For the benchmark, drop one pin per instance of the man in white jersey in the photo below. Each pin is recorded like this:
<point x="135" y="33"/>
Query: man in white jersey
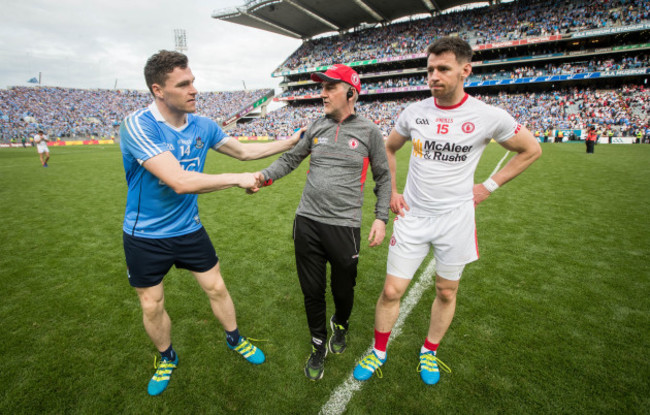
<point x="449" y="132"/>
<point x="41" y="146"/>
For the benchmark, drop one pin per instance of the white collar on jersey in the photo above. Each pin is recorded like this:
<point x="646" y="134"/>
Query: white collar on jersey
<point x="159" y="117"/>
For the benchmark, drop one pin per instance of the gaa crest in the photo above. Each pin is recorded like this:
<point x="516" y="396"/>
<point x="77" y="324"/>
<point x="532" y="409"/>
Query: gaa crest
<point x="468" y="127"/>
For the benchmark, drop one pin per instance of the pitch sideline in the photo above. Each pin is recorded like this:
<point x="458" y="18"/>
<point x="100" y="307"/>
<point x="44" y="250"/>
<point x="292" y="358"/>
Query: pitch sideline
<point x="339" y="399"/>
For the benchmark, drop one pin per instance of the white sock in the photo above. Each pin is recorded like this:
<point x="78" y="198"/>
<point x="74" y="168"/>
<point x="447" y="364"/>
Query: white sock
<point x="380" y="354"/>
<point x="425" y="350"/>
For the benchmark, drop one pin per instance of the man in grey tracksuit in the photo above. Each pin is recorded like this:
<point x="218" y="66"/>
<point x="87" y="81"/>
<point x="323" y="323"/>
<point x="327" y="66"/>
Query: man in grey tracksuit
<point x="328" y="220"/>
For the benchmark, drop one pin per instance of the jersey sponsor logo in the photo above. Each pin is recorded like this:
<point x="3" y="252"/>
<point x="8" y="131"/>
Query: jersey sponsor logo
<point x="353" y="143"/>
<point x="320" y="140"/>
<point x="190" y="164"/>
<point x="468" y="127"/>
<point x="422" y="121"/>
<point x="445" y="151"/>
<point x="199" y="143"/>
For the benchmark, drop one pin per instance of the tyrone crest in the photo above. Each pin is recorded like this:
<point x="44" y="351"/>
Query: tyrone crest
<point x="468" y="127"/>
<point x="353" y="143"/>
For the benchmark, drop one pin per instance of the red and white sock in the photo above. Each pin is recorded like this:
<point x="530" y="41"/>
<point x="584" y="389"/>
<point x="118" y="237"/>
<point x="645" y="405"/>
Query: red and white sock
<point x="381" y="341"/>
<point x="429" y="347"/>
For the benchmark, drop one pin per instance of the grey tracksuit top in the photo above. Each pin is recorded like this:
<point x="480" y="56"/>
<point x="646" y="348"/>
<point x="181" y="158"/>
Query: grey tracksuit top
<point x="340" y="155"/>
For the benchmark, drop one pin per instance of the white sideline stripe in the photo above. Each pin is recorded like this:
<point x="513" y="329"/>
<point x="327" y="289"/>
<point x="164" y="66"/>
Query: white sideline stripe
<point x="339" y="399"/>
<point x="496" y="169"/>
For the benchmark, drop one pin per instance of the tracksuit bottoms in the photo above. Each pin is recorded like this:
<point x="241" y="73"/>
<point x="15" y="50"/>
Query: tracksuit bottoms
<point x="316" y="244"/>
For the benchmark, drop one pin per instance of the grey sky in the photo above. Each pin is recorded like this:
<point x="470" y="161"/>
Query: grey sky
<point x="91" y="44"/>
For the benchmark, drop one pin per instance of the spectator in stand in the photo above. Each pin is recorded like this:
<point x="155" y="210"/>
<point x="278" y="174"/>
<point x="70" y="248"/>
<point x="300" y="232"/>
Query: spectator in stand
<point x="66" y="112"/>
<point x="573" y="108"/>
<point x="502" y="22"/>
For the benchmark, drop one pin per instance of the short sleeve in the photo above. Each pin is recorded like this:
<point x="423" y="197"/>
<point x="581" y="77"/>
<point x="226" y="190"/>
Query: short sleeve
<point x="140" y="137"/>
<point x="218" y="137"/>
<point x="401" y="126"/>
<point x="505" y="126"/>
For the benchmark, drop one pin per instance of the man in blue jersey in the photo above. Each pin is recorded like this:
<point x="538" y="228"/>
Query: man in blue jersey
<point x="164" y="147"/>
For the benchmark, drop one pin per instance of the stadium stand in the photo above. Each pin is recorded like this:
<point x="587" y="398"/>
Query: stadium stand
<point x="555" y="65"/>
<point x="67" y="112"/>
<point x="504" y="22"/>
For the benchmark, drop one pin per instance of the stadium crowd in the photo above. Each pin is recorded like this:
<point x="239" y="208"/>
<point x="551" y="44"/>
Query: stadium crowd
<point x="568" y="68"/>
<point x="625" y="110"/>
<point x="503" y="22"/>
<point x="64" y="112"/>
<point x="68" y="112"/>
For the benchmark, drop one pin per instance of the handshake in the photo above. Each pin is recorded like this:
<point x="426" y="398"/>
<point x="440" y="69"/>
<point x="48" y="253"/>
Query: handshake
<point x="252" y="182"/>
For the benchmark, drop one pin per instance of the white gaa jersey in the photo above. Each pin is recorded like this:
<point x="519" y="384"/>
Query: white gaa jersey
<point x="447" y="145"/>
<point x="41" y="144"/>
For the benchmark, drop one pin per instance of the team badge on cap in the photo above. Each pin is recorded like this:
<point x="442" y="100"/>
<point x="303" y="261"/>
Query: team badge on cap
<point x="339" y="73"/>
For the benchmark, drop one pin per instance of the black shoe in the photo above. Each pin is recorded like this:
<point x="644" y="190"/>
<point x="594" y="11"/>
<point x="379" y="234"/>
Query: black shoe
<point x="337" y="341"/>
<point x="315" y="366"/>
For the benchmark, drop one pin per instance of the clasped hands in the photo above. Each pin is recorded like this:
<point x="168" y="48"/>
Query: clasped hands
<point x="252" y="182"/>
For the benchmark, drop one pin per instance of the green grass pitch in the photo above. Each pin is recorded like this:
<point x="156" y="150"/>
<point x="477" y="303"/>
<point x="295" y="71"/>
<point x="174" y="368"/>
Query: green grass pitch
<point x="554" y="317"/>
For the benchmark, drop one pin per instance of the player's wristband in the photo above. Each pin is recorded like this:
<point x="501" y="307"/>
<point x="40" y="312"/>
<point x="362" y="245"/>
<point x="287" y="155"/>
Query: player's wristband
<point x="490" y="185"/>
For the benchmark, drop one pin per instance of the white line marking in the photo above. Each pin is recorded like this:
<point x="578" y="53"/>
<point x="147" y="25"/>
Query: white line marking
<point x="496" y="169"/>
<point x="339" y="399"/>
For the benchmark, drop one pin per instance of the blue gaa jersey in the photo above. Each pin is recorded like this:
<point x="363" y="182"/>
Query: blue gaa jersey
<point x="153" y="209"/>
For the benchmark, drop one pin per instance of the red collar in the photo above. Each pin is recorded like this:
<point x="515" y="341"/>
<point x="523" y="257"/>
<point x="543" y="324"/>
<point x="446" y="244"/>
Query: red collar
<point x="451" y="107"/>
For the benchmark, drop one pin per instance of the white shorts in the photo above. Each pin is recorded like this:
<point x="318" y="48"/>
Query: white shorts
<point x="452" y="236"/>
<point x="42" y="148"/>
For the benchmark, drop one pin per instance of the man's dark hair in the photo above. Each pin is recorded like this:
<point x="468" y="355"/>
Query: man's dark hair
<point x="160" y="64"/>
<point x="460" y="48"/>
<point x="40" y="131"/>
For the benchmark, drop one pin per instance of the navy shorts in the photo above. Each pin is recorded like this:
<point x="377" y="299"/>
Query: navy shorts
<point x="148" y="260"/>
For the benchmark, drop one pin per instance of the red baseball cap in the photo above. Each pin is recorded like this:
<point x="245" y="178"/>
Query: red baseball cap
<point x="339" y="73"/>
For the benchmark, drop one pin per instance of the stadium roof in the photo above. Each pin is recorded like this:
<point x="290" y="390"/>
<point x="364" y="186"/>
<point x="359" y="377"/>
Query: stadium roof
<point x="304" y="19"/>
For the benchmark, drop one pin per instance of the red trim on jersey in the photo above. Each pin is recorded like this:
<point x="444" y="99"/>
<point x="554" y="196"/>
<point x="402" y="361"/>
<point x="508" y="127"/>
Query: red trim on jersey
<point x="442" y="107"/>
<point x="364" y="171"/>
<point x="518" y="128"/>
